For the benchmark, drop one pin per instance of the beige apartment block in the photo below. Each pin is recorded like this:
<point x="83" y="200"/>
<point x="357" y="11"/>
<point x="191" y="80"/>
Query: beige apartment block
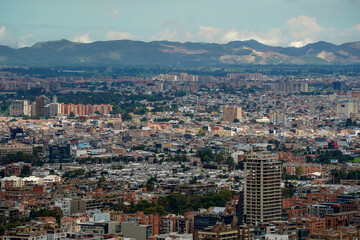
<point x="230" y="113"/>
<point x="262" y="201"/>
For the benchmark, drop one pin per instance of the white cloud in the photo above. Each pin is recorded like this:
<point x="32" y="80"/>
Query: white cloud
<point x="114" y="15"/>
<point x="303" y="26"/>
<point x="23" y="40"/>
<point x="166" y="34"/>
<point x="6" y="38"/>
<point x="209" y="33"/>
<point x="2" y="31"/>
<point x="84" y="38"/>
<point x="230" y="35"/>
<point x="174" y="31"/>
<point x="303" y="30"/>
<point x="296" y="32"/>
<point x="112" y="35"/>
<point x="16" y="42"/>
<point x="271" y="37"/>
<point x="296" y="44"/>
<point x="356" y="27"/>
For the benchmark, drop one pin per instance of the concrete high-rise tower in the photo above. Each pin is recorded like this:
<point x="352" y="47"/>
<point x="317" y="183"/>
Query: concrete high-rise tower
<point x="40" y="106"/>
<point x="262" y="193"/>
<point x="230" y="113"/>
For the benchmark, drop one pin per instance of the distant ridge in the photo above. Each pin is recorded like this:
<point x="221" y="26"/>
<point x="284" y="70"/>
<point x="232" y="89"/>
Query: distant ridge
<point x="128" y="52"/>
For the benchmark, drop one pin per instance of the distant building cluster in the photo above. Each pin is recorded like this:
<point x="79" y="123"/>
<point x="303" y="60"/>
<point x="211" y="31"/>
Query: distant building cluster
<point x="247" y="76"/>
<point x="14" y="148"/>
<point x="14" y="181"/>
<point x="177" y="77"/>
<point x="26" y="85"/>
<point x="288" y="87"/>
<point x="43" y="107"/>
<point x="81" y="109"/>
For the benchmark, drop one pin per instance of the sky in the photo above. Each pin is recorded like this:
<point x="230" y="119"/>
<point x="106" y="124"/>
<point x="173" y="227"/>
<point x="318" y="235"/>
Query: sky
<point x="274" y="22"/>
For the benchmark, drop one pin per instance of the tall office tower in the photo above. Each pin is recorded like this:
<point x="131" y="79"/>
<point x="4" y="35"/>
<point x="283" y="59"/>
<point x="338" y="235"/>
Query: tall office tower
<point x="40" y="106"/>
<point x="262" y="193"/>
<point x="230" y="113"/>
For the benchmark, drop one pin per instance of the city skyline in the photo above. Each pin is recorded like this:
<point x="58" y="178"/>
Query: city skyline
<point x="277" y="22"/>
<point x="179" y="119"/>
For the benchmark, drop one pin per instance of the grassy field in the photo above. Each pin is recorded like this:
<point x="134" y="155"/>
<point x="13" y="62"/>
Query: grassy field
<point x="356" y="160"/>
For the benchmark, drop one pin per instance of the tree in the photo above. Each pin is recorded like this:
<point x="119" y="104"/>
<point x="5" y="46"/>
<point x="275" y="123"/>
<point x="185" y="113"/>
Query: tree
<point x="193" y="180"/>
<point x="155" y="210"/>
<point x="219" y="158"/>
<point x="240" y="165"/>
<point x="100" y="181"/>
<point x="74" y="173"/>
<point x="309" y="159"/>
<point x="206" y="159"/>
<point x="120" y="207"/>
<point x="230" y="162"/>
<point x="46" y="213"/>
<point x="226" y="195"/>
<point x="150" y="187"/>
<point x="299" y="170"/>
<point x="152" y="181"/>
<point x="201" y="132"/>
<point x="3" y="230"/>
<point x="206" y="155"/>
<point x="37" y="151"/>
<point x="25" y="171"/>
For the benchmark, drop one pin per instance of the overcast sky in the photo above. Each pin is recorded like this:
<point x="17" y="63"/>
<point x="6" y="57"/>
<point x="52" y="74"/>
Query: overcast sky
<point x="274" y="22"/>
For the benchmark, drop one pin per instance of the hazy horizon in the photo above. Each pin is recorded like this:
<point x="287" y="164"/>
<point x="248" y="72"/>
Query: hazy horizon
<point x="149" y="41"/>
<point x="273" y="22"/>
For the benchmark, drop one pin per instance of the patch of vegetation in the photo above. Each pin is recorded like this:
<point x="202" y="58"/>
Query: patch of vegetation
<point x="177" y="203"/>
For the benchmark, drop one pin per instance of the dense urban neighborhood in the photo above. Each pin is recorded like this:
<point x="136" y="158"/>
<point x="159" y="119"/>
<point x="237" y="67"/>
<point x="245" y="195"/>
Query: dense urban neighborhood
<point x="179" y="155"/>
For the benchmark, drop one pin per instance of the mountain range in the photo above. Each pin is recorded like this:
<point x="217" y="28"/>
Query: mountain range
<point x="128" y="52"/>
